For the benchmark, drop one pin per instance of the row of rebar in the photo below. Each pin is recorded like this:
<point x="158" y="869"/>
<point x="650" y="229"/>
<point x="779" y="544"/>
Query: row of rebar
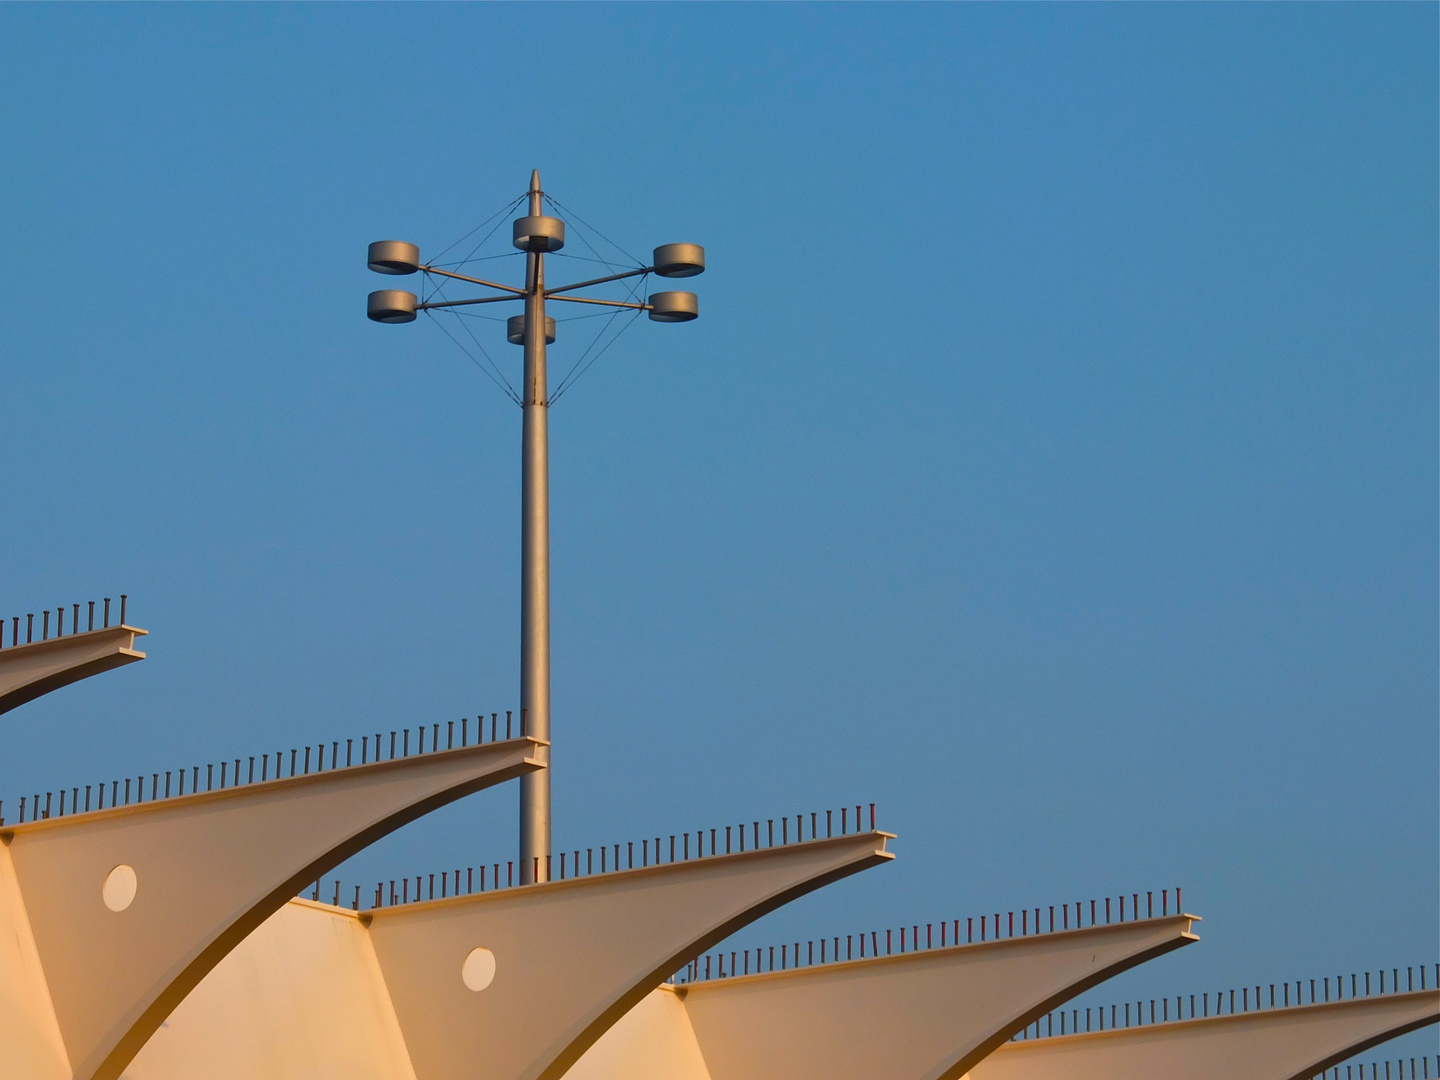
<point x="1422" y="1072"/>
<point x="567" y="865"/>
<point x="1239" y="1001"/>
<point x="59" y="622"/>
<point x="855" y="945"/>
<point x="171" y="783"/>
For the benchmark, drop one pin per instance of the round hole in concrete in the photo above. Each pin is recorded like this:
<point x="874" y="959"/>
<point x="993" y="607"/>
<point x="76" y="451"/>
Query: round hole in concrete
<point x="478" y="971"/>
<point x="119" y="890"/>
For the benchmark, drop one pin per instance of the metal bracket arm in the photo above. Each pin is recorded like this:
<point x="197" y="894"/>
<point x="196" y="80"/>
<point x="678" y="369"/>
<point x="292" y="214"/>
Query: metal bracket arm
<point x="475" y="281"/>
<point x="600" y="280"/>
<point x="602" y="303"/>
<point x="429" y="305"/>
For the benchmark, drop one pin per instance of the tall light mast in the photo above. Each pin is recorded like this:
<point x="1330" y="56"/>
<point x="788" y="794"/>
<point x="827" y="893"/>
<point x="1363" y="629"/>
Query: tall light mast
<point x="536" y="234"/>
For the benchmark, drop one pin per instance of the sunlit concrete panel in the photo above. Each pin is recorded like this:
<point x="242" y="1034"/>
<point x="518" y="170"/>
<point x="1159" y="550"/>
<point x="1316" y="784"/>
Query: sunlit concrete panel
<point x="1277" y="1044"/>
<point x="27" y="671"/>
<point x="927" y="1015"/>
<point x="654" y="1039"/>
<point x="568" y="959"/>
<point x="30" y="1043"/>
<point x="301" y="998"/>
<point x="131" y="907"/>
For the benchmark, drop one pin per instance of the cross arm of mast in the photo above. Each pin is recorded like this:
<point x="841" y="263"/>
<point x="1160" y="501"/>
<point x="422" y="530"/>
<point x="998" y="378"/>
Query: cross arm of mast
<point x="474" y="281"/>
<point x="463" y="303"/>
<point x="602" y="303"/>
<point x="600" y="280"/>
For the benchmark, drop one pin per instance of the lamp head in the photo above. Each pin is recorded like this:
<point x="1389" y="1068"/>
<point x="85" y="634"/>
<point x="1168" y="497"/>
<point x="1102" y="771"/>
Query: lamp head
<point x="538" y="233"/>
<point x="674" y="306"/>
<point x="391" y="306"/>
<point x="393" y="257"/>
<point x="679" y="260"/>
<point x="515" y="330"/>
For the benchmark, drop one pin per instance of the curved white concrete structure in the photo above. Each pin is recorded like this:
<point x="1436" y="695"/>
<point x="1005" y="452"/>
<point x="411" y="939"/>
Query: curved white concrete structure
<point x="207" y="869"/>
<point x="1269" y="1044"/>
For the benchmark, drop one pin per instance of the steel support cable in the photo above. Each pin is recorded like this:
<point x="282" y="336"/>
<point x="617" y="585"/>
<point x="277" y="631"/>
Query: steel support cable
<point x="436" y="287"/>
<point x="631" y="287"/>
<point x="468" y="314"/>
<point x="564" y="209"/>
<point x="604" y="262"/>
<point x="482" y="258"/>
<point x="491" y="361"/>
<point x="486" y="238"/>
<point x="578" y="318"/>
<point x="580" y="233"/>
<point x="630" y="291"/>
<point x="502" y="211"/>
<point x="577" y="370"/>
<point x="578" y="258"/>
<point x="584" y="227"/>
<point x="586" y="359"/>
<point x="438" y="298"/>
<point x="637" y="283"/>
<point x="501" y="382"/>
<point x="569" y="382"/>
<point x="499" y="213"/>
<point x="560" y="386"/>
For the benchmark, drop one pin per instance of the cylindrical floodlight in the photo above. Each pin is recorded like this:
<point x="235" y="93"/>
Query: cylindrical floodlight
<point x="393" y="257"/>
<point x="538" y="233"/>
<point x="515" y="330"/>
<point x="679" y="260"/>
<point x="391" y="306"/>
<point x="674" y="306"/>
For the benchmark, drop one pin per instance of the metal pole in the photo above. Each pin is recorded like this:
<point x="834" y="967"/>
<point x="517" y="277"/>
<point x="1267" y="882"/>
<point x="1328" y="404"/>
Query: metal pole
<point x="535" y="560"/>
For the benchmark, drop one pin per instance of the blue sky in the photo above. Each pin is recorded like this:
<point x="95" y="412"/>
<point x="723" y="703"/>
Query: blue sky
<point x="1053" y="464"/>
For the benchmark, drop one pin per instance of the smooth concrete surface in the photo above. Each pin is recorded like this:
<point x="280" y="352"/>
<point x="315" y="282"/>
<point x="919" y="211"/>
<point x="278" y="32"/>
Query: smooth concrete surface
<point x="30" y="1043"/>
<point x="928" y="1015"/>
<point x="300" y="999"/>
<point x="1271" y="1044"/>
<point x="27" y="671"/>
<point x="573" y="957"/>
<point x="654" y="1040"/>
<point x="306" y="997"/>
<point x="209" y="869"/>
